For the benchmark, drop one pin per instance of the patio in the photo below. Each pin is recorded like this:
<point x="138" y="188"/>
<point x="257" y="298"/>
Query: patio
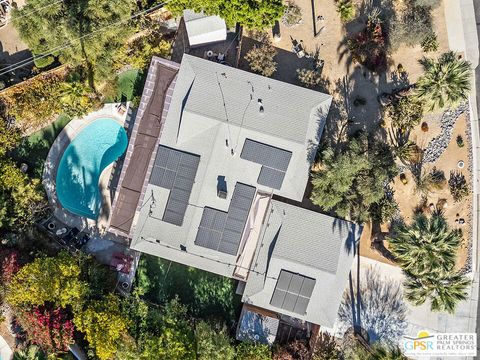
<point x="55" y="153"/>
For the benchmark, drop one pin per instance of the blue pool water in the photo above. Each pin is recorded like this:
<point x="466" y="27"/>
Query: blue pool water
<point x="92" y="150"/>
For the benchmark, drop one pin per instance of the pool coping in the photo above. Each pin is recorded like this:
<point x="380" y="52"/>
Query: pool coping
<point x="55" y="153"/>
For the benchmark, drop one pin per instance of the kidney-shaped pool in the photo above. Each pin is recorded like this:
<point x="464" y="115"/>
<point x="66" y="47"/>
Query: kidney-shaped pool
<point x="90" y="152"/>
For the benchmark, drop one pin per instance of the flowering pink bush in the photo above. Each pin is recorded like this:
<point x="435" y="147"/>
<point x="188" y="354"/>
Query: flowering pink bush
<point x="9" y="265"/>
<point x="52" y="330"/>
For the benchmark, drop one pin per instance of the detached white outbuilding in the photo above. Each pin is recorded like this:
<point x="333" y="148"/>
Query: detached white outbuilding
<point x="202" y="29"/>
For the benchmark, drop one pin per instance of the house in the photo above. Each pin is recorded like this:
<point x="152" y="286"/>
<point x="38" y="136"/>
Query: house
<point x="214" y="178"/>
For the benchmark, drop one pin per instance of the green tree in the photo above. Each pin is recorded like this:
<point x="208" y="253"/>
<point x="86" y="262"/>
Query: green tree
<point x="103" y="324"/>
<point x="48" y="280"/>
<point x="445" y="289"/>
<point x="176" y="340"/>
<point x="84" y="25"/>
<point x="213" y="342"/>
<point x="426" y="250"/>
<point x="445" y="82"/>
<point x="352" y="180"/>
<point x="261" y="59"/>
<point x="252" y="351"/>
<point x="425" y="245"/>
<point x="253" y="14"/>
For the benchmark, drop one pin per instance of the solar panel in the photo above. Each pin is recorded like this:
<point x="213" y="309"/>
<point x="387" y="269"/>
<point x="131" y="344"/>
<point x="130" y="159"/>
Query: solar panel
<point x="175" y="170"/>
<point x="271" y="177"/>
<point x="229" y="224"/>
<point x="292" y="292"/>
<point x="274" y="162"/>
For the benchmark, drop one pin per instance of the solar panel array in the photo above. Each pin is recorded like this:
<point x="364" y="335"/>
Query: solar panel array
<point x="175" y="170"/>
<point x="274" y="162"/>
<point x="222" y="231"/>
<point x="292" y="292"/>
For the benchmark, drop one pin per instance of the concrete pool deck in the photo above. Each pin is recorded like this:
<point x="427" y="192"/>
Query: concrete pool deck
<point x="69" y="132"/>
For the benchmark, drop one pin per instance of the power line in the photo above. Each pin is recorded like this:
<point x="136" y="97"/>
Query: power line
<point x="211" y="259"/>
<point x="69" y="44"/>
<point x="38" y="9"/>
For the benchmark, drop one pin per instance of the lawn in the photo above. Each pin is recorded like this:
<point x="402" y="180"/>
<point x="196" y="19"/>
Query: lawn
<point x="206" y="295"/>
<point x="33" y="150"/>
<point x="130" y="85"/>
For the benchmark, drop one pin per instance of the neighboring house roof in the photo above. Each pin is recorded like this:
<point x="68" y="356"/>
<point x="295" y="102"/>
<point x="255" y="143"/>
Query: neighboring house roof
<point x="232" y="139"/>
<point x="310" y="245"/>
<point x="202" y="29"/>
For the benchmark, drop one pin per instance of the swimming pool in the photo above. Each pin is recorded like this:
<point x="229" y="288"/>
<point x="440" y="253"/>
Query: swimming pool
<point x="90" y="152"/>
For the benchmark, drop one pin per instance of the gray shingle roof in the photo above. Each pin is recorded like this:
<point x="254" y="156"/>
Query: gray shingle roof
<point x="240" y="91"/>
<point x="309" y="244"/>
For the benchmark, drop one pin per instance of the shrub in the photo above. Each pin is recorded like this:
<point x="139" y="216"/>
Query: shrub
<point x="296" y="349"/>
<point x="251" y="351"/>
<point x="430" y="43"/>
<point x="138" y="53"/>
<point x="386" y="208"/>
<point x="51" y="330"/>
<point x="458" y="186"/>
<point x="424" y="126"/>
<point x="368" y="46"/>
<point x="427" y="182"/>
<point x="9" y="265"/>
<point x="405" y="113"/>
<point x="346" y="9"/>
<point x="326" y="347"/>
<point x="460" y="141"/>
<point x="43" y="62"/>
<point x="309" y="77"/>
<point x="292" y="15"/>
<point x="410" y="27"/>
<point x="36" y="101"/>
<point x="261" y="59"/>
<point x="213" y="343"/>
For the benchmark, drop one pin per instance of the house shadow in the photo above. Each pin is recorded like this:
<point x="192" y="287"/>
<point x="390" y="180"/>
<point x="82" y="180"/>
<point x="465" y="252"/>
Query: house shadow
<point x="373" y="304"/>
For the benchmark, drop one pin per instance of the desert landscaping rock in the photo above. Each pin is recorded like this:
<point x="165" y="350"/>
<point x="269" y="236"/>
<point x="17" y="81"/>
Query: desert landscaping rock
<point x="439" y="144"/>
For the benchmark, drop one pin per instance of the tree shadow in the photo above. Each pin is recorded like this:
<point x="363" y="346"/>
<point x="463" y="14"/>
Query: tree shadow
<point x="377" y="306"/>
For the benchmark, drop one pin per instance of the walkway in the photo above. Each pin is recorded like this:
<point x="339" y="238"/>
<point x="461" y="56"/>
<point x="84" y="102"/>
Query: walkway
<point x="5" y="351"/>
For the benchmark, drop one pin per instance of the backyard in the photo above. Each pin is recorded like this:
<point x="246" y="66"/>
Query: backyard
<point x="205" y="294"/>
<point x="34" y="148"/>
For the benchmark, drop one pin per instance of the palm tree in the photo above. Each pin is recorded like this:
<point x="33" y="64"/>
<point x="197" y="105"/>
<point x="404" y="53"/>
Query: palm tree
<point x="444" y="289"/>
<point x="75" y="95"/>
<point x="445" y="83"/>
<point x="426" y="245"/>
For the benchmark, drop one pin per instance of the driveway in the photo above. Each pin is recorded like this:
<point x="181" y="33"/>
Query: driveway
<point x="5" y="351"/>
<point x="387" y="316"/>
